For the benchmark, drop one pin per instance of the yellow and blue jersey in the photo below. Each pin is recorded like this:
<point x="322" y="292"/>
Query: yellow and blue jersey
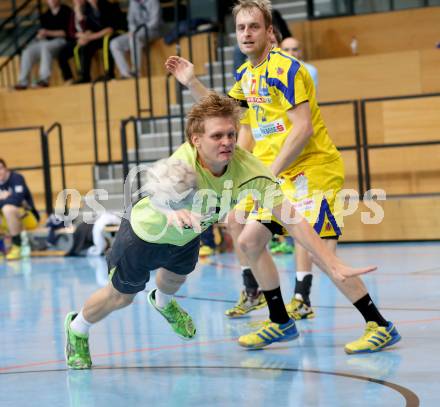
<point x="276" y="85"/>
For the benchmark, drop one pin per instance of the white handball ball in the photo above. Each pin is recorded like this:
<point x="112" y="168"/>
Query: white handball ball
<point x="171" y="184"/>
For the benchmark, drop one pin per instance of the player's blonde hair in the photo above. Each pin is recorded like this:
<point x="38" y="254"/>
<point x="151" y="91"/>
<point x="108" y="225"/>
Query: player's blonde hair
<point x="265" y="6"/>
<point x="212" y="105"/>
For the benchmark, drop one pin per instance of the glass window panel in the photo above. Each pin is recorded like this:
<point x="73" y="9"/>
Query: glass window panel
<point x="371" y="6"/>
<point x="330" y="7"/>
<point x="403" y="4"/>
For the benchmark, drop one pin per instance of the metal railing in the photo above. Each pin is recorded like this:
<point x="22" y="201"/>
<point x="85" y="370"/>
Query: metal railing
<point x="361" y="146"/>
<point x="106" y="120"/>
<point x="357" y="146"/>
<point x="58" y="127"/>
<point x="139" y="110"/>
<point x="320" y="10"/>
<point x="124" y="146"/>
<point x="366" y="146"/>
<point x="13" y="48"/>
<point x="125" y="157"/>
<point x="45" y="158"/>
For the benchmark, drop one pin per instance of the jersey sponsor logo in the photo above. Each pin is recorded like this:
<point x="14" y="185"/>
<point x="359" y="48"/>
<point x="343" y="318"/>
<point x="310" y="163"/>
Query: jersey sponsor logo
<point x="267" y="129"/>
<point x="254" y="86"/>
<point x="259" y="99"/>
<point x="304" y="206"/>
<point x="262" y="87"/>
<point x="280" y="71"/>
<point x="246" y="82"/>
<point x="301" y="185"/>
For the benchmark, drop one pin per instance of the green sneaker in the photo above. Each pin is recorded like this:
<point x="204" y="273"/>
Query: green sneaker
<point x="282" y="248"/>
<point x="273" y="243"/>
<point x="77" y="346"/>
<point x="177" y="317"/>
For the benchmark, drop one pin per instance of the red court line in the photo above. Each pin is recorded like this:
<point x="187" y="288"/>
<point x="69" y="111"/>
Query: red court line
<point x="102" y="355"/>
<point x="427" y="272"/>
<point x="204" y="343"/>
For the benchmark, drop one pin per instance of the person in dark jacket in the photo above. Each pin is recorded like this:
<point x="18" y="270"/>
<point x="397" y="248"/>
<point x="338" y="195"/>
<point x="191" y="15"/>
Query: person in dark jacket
<point x="17" y="208"/>
<point x="101" y="20"/>
<point x="76" y="26"/>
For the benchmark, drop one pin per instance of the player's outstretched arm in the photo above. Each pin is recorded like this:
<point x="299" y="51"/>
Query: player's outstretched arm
<point x="183" y="71"/>
<point x="322" y="256"/>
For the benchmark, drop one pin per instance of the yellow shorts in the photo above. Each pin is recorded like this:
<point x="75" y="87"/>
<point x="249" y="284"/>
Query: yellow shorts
<point x="28" y="220"/>
<point x="313" y="191"/>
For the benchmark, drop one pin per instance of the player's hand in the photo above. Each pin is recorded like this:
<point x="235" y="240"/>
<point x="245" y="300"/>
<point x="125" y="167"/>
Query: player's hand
<point x="181" y="69"/>
<point x="274" y="169"/>
<point x="41" y="33"/>
<point x="4" y="195"/>
<point x="184" y="219"/>
<point x="84" y="38"/>
<point x="341" y="271"/>
<point x="83" y="41"/>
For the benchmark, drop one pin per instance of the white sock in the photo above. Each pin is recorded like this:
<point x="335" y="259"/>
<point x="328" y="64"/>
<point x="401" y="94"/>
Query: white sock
<point x="301" y="274"/>
<point x="80" y="325"/>
<point x="245" y="268"/>
<point x="162" y="299"/>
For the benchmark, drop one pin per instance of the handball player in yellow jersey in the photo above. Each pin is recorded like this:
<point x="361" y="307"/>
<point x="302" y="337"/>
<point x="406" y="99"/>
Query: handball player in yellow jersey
<point x="290" y="137"/>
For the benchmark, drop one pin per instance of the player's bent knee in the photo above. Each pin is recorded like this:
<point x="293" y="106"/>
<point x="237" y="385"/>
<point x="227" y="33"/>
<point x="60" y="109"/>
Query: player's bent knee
<point x="123" y="300"/>
<point x="249" y="244"/>
<point x="10" y="210"/>
<point x="171" y="279"/>
<point x="120" y="300"/>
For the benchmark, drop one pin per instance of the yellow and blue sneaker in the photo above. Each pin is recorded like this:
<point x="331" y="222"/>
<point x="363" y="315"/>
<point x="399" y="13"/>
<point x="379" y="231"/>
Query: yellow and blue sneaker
<point x="246" y="304"/>
<point x="298" y="309"/>
<point x="206" y="251"/>
<point x="270" y="333"/>
<point x="14" y="253"/>
<point x="374" y="339"/>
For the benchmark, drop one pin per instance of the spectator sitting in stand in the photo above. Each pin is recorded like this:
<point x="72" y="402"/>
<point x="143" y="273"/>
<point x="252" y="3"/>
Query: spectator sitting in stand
<point x="292" y="47"/>
<point x="17" y="208"/>
<point x="50" y="39"/>
<point x="76" y="26"/>
<point x="101" y="21"/>
<point x="146" y="12"/>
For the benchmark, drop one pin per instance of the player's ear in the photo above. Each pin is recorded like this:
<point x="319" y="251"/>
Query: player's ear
<point x="195" y="139"/>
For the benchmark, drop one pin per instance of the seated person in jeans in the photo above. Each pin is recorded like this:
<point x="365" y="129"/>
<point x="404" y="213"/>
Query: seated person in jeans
<point x="50" y="39"/>
<point x="17" y="208"/>
<point x="101" y="20"/>
<point x="146" y="12"/>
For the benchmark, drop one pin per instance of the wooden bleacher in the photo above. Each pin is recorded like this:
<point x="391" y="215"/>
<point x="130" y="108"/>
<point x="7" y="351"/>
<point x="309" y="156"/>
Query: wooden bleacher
<point x="371" y="76"/>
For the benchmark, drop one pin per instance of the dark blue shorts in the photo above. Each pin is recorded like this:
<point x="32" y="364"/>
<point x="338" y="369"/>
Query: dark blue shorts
<point x="134" y="258"/>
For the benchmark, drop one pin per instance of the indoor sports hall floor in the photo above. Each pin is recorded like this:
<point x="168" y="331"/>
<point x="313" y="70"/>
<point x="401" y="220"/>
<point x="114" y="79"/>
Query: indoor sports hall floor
<point x="138" y="361"/>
